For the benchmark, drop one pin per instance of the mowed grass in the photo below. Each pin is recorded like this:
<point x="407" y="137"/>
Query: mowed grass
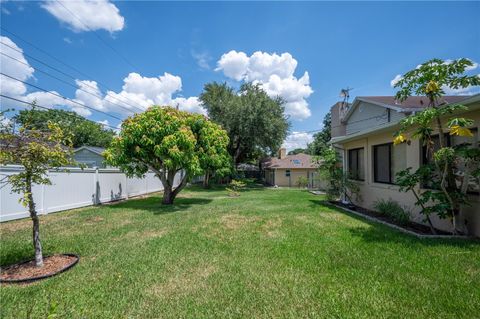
<point x="271" y="253"/>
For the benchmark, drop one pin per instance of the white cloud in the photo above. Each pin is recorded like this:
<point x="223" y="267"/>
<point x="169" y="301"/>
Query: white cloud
<point x="469" y="90"/>
<point x="297" y="140"/>
<point x="275" y="73"/>
<point x="13" y="68"/>
<point x="158" y="89"/>
<point x="191" y="104"/>
<point x="202" y="59"/>
<point x="67" y="40"/>
<point x="87" y="15"/>
<point x="395" y="80"/>
<point x="104" y="122"/>
<point x="138" y="92"/>
<point x="473" y="67"/>
<point x="233" y="64"/>
<point x="94" y="96"/>
<point x="263" y="65"/>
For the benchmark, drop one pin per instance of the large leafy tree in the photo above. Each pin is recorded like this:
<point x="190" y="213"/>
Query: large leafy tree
<point x="168" y="141"/>
<point x="298" y="151"/>
<point x="449" y="188"/>
<point x="255" y="122"/>
<point x="321" y="139"/>
<point x="83" y="131"/>
<point x="37" y="151"/>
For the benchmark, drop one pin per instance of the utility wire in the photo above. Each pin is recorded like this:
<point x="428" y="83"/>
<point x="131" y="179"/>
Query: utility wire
<point x="65" y="74"/>
<point x="98" y="36"/>
<point x="65" y="82"/>
<point x="48" y="109"/>
<point x="63" y="63"/>
<point x="60" y="96"/>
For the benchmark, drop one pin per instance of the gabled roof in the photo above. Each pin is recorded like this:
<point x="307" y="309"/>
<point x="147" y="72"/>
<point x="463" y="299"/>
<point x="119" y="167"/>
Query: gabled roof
<point x="411" y="104"/>
<point x="471" y="100"/>
<point x="93" y="149"/>
<point x="290" y="161"/>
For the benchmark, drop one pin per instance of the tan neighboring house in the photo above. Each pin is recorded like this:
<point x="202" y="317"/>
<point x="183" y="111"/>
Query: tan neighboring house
<point x="285" y="170"/>
<point x="366" y="131"/>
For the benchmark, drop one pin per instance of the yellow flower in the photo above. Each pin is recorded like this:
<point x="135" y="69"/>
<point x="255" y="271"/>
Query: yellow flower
<point x="460" y="131"/>
<point x="432" y="86"/>
<point x="399" y="139"/>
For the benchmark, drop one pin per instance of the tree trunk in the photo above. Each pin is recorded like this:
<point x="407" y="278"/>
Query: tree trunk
<point x="169" y="193"/>
<point x="37" y="245"/>
<point x="206" y="179"/>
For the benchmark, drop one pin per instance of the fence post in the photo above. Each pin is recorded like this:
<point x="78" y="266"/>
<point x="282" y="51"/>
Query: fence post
<point x="126" y="186"/>
<point x="44" y="208"/>
<point x="146" y="183"/>
<point x="96" y="186"/>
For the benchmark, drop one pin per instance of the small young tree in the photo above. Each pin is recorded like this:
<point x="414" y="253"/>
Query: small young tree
<point x="302" y="182"/>
<point x="212" y="144"/>
<point x="37" y="151"/>
<point x="338" y="183"/>
<point x="167" y="141"/>
<point x="449" y="195"/>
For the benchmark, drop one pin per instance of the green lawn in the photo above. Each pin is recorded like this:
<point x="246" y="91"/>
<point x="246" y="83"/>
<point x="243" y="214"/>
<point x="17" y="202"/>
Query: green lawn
<point x="269" y="253"/>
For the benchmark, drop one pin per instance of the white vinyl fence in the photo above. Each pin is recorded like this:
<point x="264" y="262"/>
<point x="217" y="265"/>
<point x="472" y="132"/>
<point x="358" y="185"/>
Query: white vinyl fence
<point x="75" y="188"/>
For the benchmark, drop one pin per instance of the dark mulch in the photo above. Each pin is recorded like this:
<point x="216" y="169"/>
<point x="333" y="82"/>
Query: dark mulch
<point x="28" y="270"/>
<point x="412" y="226"/>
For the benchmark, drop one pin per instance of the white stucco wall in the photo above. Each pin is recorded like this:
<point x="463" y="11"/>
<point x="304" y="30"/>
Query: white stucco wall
<point x="371" y="191"/>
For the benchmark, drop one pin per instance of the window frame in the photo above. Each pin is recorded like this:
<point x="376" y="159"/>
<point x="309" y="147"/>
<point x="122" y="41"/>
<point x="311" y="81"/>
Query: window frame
<point x="357" y="178"/>
<point x="390" y="175"/>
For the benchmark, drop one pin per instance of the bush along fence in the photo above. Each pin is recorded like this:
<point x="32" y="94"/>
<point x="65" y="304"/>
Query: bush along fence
<point x="75" y="188"/>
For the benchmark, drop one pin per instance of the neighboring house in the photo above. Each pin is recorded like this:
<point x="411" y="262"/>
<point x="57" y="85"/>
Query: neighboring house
<point x="91" y="156"/>
<point x="368" y="155"/>
<point x="285" y="170"/>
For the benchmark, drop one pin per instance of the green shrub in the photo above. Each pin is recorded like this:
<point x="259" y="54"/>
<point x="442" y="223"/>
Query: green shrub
<point x="392" y="209"/>
<point x="235" y="187"/>
<point x="302" y="182"/>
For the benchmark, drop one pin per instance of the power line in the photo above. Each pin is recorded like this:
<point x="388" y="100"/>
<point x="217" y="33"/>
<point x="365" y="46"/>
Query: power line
<point x="48" y="109"/>
<point x="65" y="82"/>
<point x="63" y="63"/>
<point x="60" y="96"/>
<point x="98" y="36"/>
<point x="65" y="74"/>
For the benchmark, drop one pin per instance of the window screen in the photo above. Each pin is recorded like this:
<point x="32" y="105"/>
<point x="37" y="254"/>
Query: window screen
<point x="382" y="169"/>
<point x="388" y="160"/>
<point x="356" y="164"/>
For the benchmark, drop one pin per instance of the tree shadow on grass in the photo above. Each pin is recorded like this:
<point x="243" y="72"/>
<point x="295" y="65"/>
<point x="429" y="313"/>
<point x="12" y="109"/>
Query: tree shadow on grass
<point x="153" y="204"/>
<point x="382" y="233"/>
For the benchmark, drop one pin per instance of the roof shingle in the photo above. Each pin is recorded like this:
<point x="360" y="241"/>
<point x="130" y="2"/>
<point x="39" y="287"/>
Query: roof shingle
<point x="290" y="161"/>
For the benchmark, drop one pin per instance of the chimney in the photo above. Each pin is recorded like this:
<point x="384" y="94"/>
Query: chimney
<point x="337" y="113"/>
<point x="282" y="153"/>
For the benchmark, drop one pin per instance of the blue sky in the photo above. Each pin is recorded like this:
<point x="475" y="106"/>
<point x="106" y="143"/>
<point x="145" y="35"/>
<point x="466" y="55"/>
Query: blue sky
<point x="173" y="49"/>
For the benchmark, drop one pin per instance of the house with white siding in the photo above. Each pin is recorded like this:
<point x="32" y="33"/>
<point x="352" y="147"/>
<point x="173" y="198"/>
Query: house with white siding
<point x="363" y="134"/>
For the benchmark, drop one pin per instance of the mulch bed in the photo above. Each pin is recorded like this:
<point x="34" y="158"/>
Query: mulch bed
<point x="411" y="226"/>
<point x="28" y="272"/>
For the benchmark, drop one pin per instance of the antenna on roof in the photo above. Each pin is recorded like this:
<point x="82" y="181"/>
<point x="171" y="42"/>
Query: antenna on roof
<point x="345" y="93"/>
